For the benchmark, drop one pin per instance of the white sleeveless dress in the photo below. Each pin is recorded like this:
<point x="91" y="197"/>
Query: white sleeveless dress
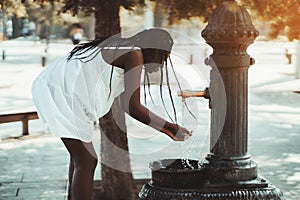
<point x="71" y="95"/>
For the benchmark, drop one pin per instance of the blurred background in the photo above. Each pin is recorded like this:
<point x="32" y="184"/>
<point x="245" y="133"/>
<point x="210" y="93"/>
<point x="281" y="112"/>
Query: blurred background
<point x="34" y="33"/>
<point x="50" y="19"/>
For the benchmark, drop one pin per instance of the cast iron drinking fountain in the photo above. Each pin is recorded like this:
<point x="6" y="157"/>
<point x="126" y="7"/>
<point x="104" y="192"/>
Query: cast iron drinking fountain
<point x="228" y="171"/>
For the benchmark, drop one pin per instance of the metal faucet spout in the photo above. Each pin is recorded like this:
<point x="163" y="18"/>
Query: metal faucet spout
<point x="193" y="93"/>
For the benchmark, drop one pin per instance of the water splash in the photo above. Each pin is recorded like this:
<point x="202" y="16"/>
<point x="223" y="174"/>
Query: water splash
<point x="186" y="164"/>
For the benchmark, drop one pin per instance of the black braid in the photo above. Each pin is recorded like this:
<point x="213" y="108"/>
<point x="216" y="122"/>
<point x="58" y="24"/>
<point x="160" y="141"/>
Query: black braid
<point x="161" y="93"/>
<point x="148" y="83"/>
<point x="180" y="89"/>
<point x="170" y="93"/>
<point x="144" y="85"/>
<point x="141" y="40"/>
<point x="84" y="47"/>
<point x="111" y="75"/>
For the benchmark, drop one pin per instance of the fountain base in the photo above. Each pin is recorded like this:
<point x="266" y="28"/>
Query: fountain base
<point x="189" y="180"/>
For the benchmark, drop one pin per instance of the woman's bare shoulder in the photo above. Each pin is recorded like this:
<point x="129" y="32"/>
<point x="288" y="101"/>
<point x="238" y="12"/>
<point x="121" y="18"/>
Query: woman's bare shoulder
<point x="133" y="58"/>
<point x="126" y="58"/>
<point x="121" y="56"/>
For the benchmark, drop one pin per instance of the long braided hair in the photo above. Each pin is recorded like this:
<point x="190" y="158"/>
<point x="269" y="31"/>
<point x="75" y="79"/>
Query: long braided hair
<point x="150" y="41"/>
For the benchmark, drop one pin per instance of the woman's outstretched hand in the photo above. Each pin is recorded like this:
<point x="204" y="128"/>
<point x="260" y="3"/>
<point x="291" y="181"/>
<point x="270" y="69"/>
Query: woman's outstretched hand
<point x="177" y="133"/>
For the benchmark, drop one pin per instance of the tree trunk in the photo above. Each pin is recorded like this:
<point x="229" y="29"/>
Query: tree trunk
<point x="117" y="178"/>
<point x="107" y="19"/>
<point x="158" y="15"/>
<point x="116" y="184"/>
<point x="91" y="28"/>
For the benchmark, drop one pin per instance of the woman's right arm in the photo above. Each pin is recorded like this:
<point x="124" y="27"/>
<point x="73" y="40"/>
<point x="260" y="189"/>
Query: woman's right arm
<point x="131" y="100"/>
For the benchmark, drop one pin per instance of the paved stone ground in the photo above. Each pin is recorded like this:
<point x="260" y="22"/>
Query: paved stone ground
<point x="33" y="167"/>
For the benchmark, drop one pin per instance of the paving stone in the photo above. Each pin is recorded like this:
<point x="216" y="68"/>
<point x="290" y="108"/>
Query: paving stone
<point x="33" y="169"/>
<point x="47" y="190"/>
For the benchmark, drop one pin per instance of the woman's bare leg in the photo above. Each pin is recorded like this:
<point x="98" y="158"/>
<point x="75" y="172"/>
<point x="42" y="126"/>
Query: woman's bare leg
<point x="84" y="160"/>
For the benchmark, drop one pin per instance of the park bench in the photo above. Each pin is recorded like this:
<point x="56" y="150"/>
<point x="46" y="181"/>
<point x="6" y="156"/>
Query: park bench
<point x="23" y="117"/>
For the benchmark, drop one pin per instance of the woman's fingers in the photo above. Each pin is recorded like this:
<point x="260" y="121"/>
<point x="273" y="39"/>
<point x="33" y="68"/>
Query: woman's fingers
<point x="181" y="134"/>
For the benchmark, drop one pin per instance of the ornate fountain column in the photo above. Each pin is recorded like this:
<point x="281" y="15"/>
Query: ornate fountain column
<point x="228" y="173"/>
<point x="230" y="32"/>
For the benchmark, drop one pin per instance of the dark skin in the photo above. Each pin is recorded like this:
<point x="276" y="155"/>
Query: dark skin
<point x="83" y="159"/>
<point x="132" y="62"/>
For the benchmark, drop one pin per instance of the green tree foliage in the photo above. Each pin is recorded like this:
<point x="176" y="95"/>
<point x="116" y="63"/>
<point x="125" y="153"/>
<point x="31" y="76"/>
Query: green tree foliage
<point x="283" y="15"/>
<point x="186" y="9"/>
<point x="90" y="6"/>
<point x="13" y="7"/>
<point x="20" y="8"/>
<point x="106" y="12"/>
<point x="35" y="11"/>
